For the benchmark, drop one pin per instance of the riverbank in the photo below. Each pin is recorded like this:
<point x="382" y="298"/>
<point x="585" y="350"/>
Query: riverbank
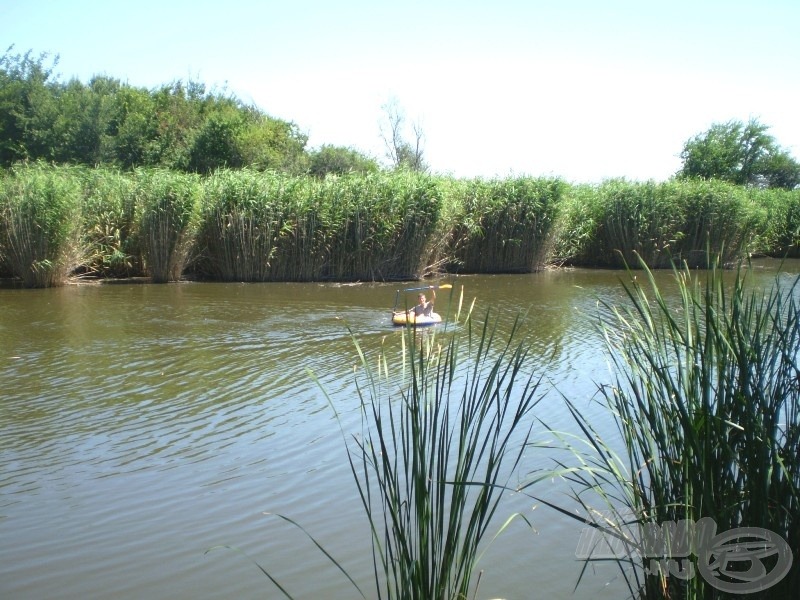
<point x="59" y="222"/>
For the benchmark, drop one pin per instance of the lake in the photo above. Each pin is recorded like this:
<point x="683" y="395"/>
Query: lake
<point x="142" y="425"/>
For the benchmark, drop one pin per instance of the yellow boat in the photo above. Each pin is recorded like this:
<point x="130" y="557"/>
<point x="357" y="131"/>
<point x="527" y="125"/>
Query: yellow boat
<point x="409" y="318"/>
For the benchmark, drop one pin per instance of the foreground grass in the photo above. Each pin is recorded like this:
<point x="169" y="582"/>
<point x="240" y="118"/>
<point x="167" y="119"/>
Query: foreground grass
<point x="441" y="435"/>
<point x="707" y="402"/>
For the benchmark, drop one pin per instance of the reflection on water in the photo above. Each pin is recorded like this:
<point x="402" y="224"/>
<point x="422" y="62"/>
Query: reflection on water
<point x="142" y="425"/>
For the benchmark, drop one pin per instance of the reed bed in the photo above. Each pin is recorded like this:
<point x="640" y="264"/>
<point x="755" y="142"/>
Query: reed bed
<point x="707" y="403"/>
<point x="169" y="203"/>
<point x="618" y="222"/>
<point x="266" y="226"/>
<point x="110" y="225"/>
<point x="381" y="225"/>
<point x="40" y="224"/>
<point x="504" y="226"/>
<point x="239" y="226"/>
<point x="273" y="227"/>
<point x="781" y="236"/>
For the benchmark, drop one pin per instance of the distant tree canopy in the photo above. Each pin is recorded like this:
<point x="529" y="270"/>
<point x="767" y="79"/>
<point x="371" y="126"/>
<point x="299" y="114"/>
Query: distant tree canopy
<point x="740" y="153"/>
<point x="337" y="160"/>
<point x="179" y="125"/>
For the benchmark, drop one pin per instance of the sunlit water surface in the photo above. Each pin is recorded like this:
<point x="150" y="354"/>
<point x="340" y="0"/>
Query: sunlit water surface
<point x="143" y="425"/>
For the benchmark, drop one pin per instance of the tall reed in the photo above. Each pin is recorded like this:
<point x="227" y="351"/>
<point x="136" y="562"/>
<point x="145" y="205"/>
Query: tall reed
<point x="40" y="224"/>
<point x="110" y="224"/>
<point x="435" y="456"/>
<point x="707" y="403"/>
<point x="169" y="203"/>
<point x="442" y="434"/>
<point x="505" y="226"/>
<point x="242" y="217"/>
<point x="618" y="222"/>
<point x="381" y="225"/>
<point x="781" y="235"/>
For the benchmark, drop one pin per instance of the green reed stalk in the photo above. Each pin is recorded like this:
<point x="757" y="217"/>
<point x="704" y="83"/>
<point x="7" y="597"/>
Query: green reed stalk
<point x="781" y="235"/>
<point x="40" y="224"/>
<point x="618" y="222"/>
<point x="110" y="224"/>
<point x="302" y="246"/>
<point x="440" y="440"/>
<point x="433" y="461"/>
<point x="240" y="224"/>
<point x="708" y="405"/>
<point x="381" y="225"/>
<point x="169" y="202"/>
<point x="505" y="226"/>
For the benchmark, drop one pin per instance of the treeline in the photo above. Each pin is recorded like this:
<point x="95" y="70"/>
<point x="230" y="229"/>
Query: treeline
<point x="179" y="126"/>
<point x="248" y="225"/>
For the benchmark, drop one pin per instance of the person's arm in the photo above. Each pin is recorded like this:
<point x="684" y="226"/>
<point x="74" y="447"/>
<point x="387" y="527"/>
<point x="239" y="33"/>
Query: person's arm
<point x="429" y="305"/>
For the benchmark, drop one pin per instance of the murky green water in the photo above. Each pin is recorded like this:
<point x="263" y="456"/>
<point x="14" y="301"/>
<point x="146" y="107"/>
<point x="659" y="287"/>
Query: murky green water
<point x="141" y="425"/>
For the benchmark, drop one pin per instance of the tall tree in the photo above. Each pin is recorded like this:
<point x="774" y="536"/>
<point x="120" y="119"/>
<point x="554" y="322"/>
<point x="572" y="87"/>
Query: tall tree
<point x="24" y="81"/>
<point x="402" y="152"/>
<point x="741" y="153"/>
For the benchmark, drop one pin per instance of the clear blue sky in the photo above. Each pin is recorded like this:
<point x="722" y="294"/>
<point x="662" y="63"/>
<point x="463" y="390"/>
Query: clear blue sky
<point x="585" y="90"/>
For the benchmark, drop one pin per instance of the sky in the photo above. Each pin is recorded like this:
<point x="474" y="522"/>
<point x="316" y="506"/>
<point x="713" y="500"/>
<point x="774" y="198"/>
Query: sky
<point x="584" y="90"/>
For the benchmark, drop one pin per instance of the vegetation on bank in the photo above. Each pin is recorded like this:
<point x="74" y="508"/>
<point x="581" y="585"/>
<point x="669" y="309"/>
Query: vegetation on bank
<point x="247" y="225"/>
<point x="180" y="126"/>
<point x="179" y="181"/>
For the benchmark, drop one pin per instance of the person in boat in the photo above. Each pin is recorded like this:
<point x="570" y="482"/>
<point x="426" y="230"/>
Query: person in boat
<point x="424" y="306"/>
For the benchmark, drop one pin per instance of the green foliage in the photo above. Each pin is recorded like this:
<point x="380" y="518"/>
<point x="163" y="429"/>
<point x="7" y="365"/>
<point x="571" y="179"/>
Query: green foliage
<point x="613" y="224"/>
<point x="505" y="226"/>
<point x="739" y="153"/>
<point x="23" y="81"/>
<point x="105" y="122"/>
<point x="169" y="203"/>
<point x="266" y="143"/>
<point x="215" y="144"/>
<point x="110" y="224"/>
<point x="336" y="160"/>
<point x="707" y="403"/>
<point x="40" y="224"/>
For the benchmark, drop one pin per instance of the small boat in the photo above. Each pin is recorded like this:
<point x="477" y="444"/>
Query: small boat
<point x="409" y="318"/>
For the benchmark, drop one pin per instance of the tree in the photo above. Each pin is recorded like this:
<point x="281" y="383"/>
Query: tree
<point x="267" y="142"/>
<point x="401" y="152"/>
<point x="744" y="154"/>
<point x="338" y="160"/>
<point x="23" y="89"/>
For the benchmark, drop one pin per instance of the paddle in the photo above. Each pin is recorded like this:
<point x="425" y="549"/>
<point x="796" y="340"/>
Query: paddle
<point x="444" y="286"/>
